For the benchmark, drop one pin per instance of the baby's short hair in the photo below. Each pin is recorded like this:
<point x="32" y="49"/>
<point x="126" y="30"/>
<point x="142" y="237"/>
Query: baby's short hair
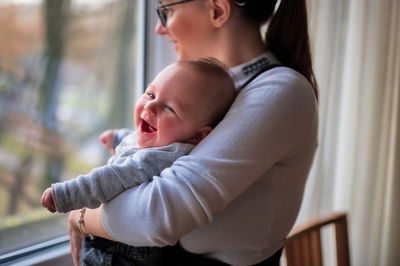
<point x="222" y="90"/>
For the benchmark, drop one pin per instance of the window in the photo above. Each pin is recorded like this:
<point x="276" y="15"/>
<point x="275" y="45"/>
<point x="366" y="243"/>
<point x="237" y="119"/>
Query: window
<point x="68" y="71"/>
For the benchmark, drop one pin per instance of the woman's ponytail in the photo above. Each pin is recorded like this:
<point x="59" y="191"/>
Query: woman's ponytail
<point x="287" y="38"/>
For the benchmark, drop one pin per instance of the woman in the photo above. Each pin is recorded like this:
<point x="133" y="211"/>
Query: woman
<point x="235" y="197"/>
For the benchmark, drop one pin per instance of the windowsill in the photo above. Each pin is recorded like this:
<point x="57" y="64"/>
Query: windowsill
<point x="28" y="230"/>
<point x="52" y="252"/>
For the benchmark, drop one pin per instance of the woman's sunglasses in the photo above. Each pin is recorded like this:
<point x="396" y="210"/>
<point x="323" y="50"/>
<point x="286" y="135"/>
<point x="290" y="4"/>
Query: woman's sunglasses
<point x="162" y="11"/>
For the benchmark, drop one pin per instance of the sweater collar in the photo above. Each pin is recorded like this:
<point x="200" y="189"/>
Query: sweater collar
<point x="243" y="72"/>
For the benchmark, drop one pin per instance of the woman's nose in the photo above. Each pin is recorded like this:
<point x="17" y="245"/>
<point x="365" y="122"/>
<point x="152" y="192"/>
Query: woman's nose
<point x="160" y="29"/>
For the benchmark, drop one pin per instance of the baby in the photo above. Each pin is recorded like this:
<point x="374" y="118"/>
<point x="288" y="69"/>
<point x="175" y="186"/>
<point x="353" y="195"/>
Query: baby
<point x="177" y="110"/>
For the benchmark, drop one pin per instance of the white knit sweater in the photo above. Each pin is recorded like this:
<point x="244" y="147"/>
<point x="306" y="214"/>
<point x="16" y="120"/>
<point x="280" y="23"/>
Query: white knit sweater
<point x="237" y="194"/>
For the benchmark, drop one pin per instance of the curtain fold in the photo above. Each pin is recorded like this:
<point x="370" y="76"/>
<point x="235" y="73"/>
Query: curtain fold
<point x="356" y="169"/>
<point x="390" y="237"/>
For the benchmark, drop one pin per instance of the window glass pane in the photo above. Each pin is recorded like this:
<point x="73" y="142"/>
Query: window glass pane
<point x="67" y="72"/>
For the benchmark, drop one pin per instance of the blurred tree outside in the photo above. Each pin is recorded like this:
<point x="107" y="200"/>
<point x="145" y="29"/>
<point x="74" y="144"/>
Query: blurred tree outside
<point x="122" y="100"/>
<point x="56" y="14"/>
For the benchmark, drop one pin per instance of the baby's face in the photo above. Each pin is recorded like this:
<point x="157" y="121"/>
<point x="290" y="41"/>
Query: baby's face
<point x="172" y="109"/>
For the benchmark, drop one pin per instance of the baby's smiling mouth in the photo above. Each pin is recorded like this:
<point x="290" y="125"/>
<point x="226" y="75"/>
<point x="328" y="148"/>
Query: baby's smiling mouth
<point x="146" y="127"/>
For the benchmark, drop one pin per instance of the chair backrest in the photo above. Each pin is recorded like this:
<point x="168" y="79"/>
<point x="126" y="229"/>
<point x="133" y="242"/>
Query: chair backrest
<point x="303" y="245"/>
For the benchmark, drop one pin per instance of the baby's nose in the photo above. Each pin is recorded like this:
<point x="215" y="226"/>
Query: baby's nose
<point x="151" y="108"/>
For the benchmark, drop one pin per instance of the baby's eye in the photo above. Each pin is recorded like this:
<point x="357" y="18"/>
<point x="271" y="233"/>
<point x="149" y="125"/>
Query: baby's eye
<point x="169" y="108"/>
<point x="150" y="94"/>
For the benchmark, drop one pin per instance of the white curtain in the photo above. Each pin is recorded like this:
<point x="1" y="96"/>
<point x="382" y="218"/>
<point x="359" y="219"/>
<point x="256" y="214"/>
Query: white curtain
<point x="356" y="46"/>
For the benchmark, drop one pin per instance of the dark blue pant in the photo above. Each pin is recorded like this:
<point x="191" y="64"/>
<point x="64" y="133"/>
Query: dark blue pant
<point x="103" y="252"/>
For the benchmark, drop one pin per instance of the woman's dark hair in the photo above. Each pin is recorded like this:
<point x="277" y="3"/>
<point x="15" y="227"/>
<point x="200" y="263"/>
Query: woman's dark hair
<point x="287" y="35"/>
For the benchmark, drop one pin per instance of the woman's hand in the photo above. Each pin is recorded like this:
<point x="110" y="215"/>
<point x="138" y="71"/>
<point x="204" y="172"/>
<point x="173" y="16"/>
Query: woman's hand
<point x="92" y="225"/>
<point x="75" y="236"/>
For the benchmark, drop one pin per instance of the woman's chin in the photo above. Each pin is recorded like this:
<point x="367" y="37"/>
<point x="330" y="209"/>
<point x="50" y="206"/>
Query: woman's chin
<point x="181" y="56"/>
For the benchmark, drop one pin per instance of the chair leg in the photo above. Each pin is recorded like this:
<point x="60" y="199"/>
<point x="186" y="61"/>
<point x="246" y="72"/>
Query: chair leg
<point x="342" y="247"/>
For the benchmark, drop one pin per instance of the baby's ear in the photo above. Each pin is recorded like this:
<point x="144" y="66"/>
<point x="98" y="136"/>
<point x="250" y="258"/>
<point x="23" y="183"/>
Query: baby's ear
<point x="200" y="135"/>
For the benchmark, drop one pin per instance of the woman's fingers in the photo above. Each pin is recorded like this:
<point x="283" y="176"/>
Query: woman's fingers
<point x="75" y="236"/>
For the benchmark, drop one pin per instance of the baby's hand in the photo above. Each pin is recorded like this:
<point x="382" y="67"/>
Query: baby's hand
<point x="107" y="138"/>
<point x="47" y="200"/>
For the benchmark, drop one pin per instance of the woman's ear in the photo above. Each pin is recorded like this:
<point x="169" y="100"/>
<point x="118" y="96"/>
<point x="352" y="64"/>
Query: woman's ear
<point x="220" y="11"/>
<point x="200" y="135"/>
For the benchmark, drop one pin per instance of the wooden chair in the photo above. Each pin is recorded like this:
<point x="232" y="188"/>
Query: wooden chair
<point x="303" y="245"/>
